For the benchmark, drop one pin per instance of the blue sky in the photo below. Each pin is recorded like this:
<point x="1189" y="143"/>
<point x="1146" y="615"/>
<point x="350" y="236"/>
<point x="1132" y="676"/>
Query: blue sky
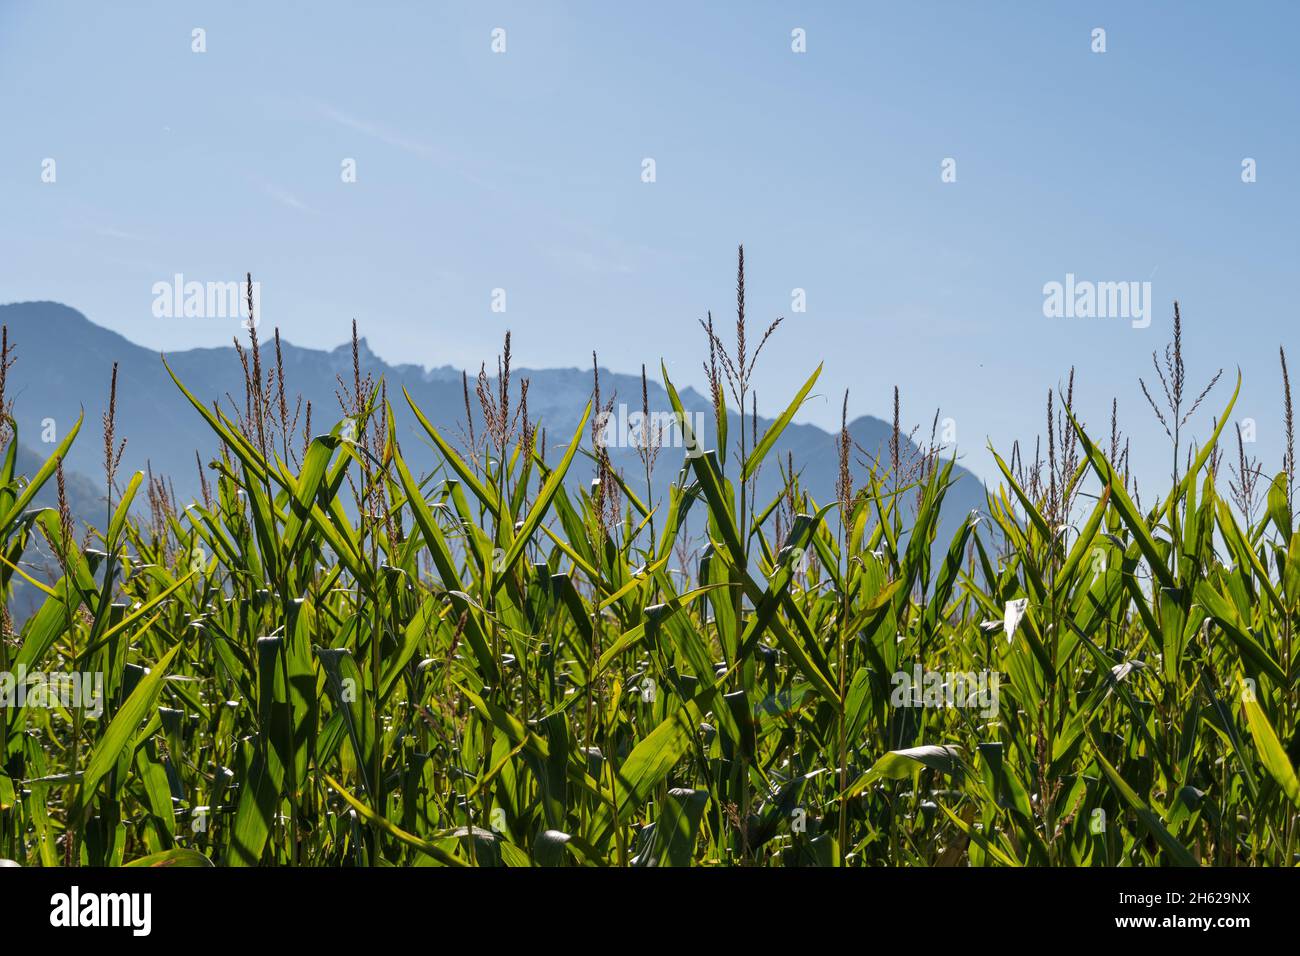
<point x="522" y="171"/>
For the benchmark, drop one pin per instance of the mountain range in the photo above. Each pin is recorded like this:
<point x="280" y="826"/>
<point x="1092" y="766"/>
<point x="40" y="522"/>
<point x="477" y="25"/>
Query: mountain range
<point x="64" y="363"/>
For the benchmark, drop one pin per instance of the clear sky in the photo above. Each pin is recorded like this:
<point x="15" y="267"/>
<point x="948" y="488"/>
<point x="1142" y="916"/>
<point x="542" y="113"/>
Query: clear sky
<point x="522" y="171"/>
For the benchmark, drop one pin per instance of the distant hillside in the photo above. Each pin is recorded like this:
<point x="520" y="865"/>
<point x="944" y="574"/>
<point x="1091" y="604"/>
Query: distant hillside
<point x="83" y="499"/>
<point x="65" y="360"/>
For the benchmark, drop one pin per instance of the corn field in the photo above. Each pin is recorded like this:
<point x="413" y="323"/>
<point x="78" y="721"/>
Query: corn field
<point x="333" y="660"/>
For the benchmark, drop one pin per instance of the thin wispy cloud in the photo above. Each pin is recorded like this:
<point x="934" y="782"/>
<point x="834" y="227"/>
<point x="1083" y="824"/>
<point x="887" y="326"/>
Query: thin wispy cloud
<point x="285" y="198"/>
<point x="109" y="232"/>
<point x="384" y="134"/>
<point x="464" y="165"/>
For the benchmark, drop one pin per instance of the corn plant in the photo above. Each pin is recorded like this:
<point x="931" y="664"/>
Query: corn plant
<point x="333" y="659"/>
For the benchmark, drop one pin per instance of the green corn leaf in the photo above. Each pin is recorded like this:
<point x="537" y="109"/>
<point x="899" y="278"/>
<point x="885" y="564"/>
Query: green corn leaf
<point x="777" y="427"/>
<point x="121" y="731"/>
<point x="1271" y="752"/>
<point x="1178" y="853"/>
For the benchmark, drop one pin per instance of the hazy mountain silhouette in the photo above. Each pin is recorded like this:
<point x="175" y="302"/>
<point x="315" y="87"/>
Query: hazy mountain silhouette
<point x="65" y="360"/>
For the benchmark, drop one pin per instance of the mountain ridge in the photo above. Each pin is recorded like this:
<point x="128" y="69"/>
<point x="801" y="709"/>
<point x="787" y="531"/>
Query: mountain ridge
<point x="64" y="363"/>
